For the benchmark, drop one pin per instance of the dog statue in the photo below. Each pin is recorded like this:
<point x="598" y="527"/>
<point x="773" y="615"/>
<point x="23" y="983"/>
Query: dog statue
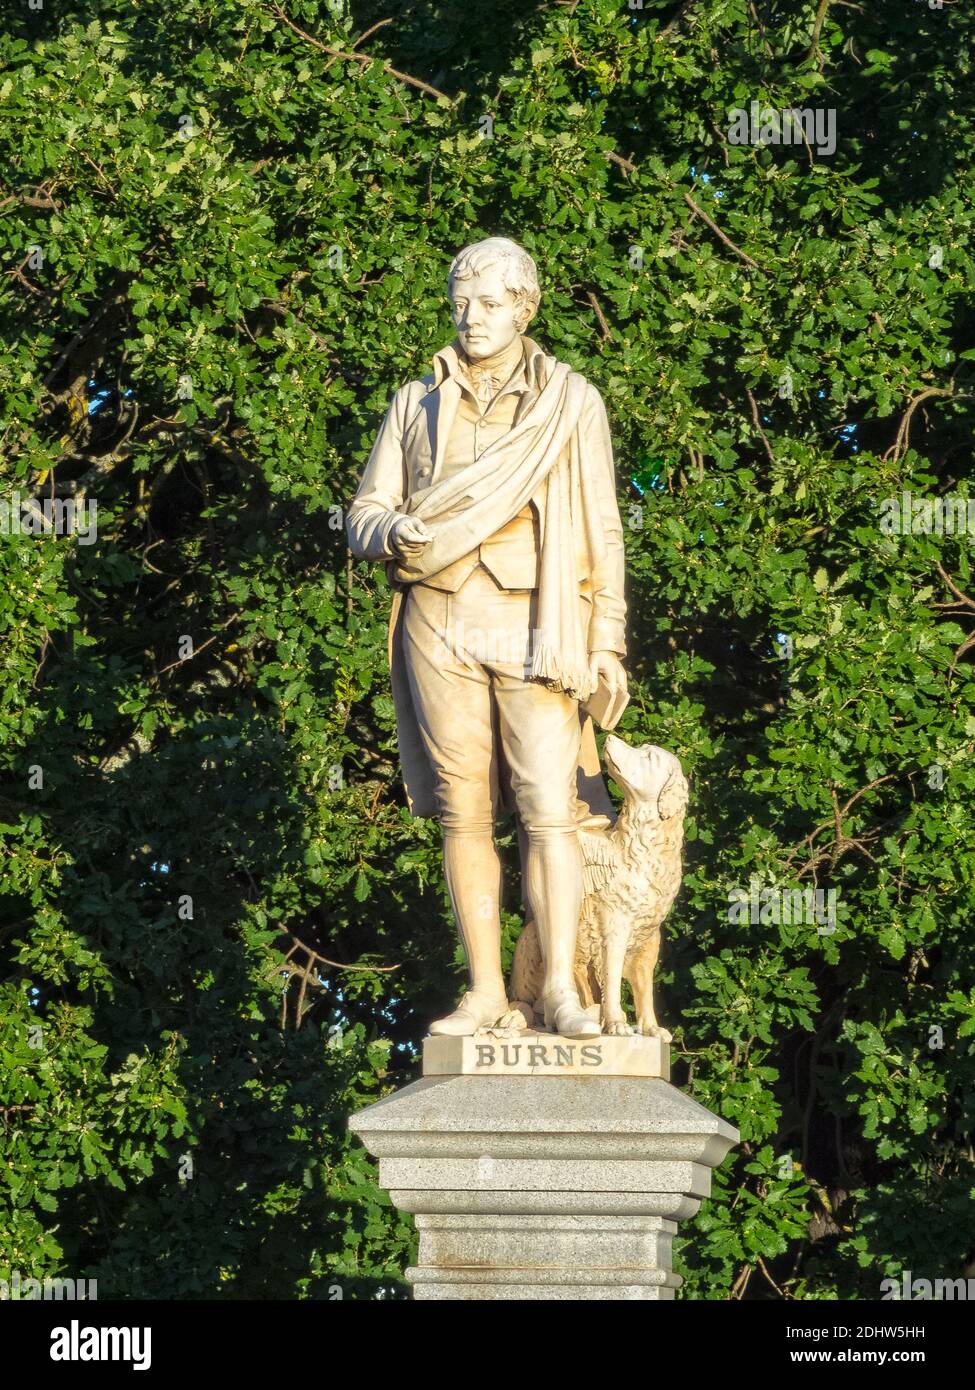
<point x="632" y="873"/>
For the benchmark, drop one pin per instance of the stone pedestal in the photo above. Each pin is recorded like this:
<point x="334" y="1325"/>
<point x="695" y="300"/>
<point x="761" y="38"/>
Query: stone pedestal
<point x="554" y="1176"/>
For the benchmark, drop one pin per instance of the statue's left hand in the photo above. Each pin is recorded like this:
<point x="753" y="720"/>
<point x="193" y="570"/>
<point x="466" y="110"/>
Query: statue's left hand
<point x="606" y="666"/>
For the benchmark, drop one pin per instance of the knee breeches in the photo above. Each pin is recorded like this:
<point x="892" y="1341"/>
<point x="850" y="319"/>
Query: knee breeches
<point x="468" y="657"/>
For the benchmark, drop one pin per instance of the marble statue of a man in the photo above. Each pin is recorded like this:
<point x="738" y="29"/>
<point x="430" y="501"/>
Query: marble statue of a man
<point x="490" y="493"/>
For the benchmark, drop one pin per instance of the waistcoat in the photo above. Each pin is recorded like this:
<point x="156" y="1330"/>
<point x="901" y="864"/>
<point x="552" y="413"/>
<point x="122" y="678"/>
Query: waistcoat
<point x="511" y="555"/>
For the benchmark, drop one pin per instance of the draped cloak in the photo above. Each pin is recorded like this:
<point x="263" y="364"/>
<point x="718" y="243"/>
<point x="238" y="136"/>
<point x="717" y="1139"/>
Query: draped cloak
<point x="540" y="457"/>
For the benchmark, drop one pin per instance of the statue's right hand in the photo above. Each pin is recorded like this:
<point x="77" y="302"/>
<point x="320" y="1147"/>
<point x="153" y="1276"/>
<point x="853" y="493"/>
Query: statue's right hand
<point x="409" y="537"/>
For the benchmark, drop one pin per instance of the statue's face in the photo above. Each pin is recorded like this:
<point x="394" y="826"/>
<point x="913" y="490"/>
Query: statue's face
<point x="484" y="313"/>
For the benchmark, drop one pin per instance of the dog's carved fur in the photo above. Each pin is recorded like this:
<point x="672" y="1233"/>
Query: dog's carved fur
<point x="632" y="874"/>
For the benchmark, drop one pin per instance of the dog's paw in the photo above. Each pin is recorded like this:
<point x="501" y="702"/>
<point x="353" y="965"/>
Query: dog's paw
<point x="654" y="1030"/>
<point x="620" y="1029"/>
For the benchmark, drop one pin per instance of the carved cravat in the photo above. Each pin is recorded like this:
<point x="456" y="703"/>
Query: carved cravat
<point x="489" y="375"/>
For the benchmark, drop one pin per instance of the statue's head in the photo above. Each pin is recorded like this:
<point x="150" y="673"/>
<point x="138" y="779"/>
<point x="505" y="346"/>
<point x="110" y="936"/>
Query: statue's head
<point x="494" y="293"/>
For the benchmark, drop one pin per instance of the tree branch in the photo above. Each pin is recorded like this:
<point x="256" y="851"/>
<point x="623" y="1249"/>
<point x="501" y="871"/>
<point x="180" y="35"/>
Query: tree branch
<point x="814" y="50"/>
<point x="607" y="332"/>
<point x="366" y="58"/>
<point x="699" y="212"/>
<point x="758" y="425"/>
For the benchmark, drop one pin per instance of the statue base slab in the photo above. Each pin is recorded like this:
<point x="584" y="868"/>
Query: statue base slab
<point x="545" y="1054"/>
<point x="544" y="1186"/>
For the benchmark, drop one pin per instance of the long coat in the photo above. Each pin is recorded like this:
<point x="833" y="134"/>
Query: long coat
<point x="406" y="458"/>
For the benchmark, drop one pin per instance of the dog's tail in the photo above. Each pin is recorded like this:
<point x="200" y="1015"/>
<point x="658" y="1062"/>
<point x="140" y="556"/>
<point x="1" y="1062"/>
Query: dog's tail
<point x="528" y="973"/>
<point x="526" y="968"/>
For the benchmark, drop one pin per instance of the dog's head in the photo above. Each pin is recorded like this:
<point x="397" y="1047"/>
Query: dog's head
<point x="648" y="774"/>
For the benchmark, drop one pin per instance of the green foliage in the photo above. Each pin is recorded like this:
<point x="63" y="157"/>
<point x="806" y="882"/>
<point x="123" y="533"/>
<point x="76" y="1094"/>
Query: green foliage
<point x="243" y="236"/>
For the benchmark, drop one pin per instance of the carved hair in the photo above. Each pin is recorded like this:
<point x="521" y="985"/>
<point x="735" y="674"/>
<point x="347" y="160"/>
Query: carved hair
<point x="518" y="271"/>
